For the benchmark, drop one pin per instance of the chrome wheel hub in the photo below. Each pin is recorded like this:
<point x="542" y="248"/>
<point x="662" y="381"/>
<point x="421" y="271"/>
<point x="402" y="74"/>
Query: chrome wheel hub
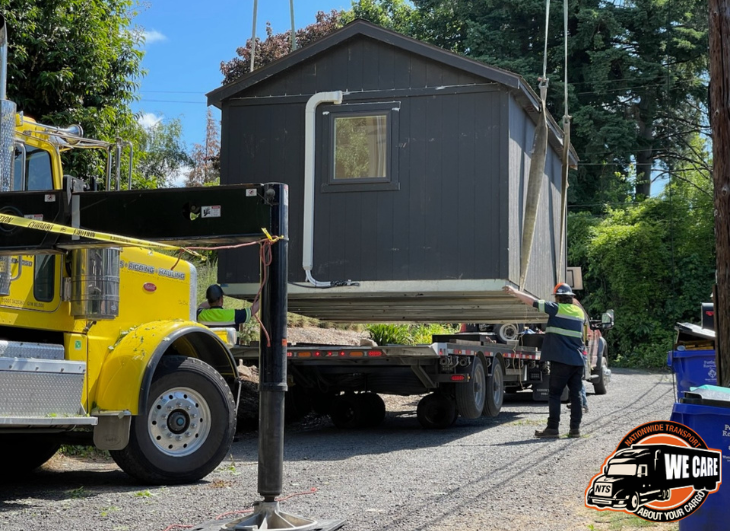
<point x="179" y="421"/>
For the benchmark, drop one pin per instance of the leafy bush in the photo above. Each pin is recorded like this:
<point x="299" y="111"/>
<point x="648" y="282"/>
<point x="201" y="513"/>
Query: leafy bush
<point x="390" y="334"/>
<point x="422" y="333"/>
<point x="652" y="262"/>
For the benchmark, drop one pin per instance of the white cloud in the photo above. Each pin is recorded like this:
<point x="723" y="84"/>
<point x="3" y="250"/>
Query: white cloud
<point x="149" y="120"/>
<point x="151" y="36"/>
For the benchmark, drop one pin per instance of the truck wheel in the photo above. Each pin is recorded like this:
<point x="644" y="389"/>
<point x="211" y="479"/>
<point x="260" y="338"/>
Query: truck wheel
<point x="470" y="396"/>
<point x="373" y="409"/>
<point x="507" y="332"/>
<point x="187" y="429"/>
<point x="26" y="452"/>
<point x="436" y="410"/>
<point x="604" y="376"/>
<point x="347" y="411"/>
<point x="632" y="504"/>
<point x="495" y="390"/>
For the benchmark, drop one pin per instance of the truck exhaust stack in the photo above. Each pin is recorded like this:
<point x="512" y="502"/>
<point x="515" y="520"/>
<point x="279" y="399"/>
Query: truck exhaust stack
<point x="7" y="126"/>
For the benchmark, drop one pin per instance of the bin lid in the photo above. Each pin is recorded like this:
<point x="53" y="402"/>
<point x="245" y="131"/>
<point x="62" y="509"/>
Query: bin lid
<point x="708" y="395"/>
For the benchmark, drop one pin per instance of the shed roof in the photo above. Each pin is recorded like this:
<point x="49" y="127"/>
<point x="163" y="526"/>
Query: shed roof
<point x="524" y="94"/>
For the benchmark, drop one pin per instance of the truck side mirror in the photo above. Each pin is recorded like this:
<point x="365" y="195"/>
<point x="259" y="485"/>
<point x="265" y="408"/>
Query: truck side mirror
<point x="607" y="320"/>
<point x="643" y="471"/>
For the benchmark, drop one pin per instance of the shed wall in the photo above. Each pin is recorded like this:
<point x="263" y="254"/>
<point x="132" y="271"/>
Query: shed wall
<point x="446" y="221"/>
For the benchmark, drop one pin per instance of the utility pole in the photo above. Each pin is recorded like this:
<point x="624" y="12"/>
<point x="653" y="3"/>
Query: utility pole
<point x="720" y="122"/>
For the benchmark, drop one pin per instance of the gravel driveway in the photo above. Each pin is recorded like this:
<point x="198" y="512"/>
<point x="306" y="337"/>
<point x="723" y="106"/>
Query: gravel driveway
<point x="483" y="474"/>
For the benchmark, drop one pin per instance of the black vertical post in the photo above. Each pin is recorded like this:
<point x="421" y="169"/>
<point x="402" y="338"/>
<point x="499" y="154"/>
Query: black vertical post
<point x="272" y="362"/>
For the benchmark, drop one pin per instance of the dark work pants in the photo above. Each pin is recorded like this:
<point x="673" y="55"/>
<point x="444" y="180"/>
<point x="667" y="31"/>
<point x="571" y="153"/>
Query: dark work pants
<point x="560" y="376"/>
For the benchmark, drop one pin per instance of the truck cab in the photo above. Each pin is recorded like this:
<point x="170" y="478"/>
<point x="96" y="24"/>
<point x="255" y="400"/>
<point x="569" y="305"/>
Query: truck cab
<point x="98" y="340"/>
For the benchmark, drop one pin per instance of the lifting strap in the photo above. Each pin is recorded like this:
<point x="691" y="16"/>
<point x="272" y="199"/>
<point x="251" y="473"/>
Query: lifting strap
<point x="537" y="167"/>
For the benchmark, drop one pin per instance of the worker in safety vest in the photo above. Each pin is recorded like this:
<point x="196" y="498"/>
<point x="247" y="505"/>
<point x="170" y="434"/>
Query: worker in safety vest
<point x="212" y="313"/>
<point x="563" y="348"/>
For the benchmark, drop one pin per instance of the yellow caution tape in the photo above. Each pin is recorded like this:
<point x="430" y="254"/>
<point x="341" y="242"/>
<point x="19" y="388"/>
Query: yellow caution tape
<point x="16" y="221"/>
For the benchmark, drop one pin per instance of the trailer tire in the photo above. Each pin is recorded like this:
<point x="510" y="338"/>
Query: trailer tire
<point x="507" y="332"/>
<point x="604" y="376"/>
<point x="471" y="395"/>
<point x="27" y="452"/>
<point x="347" y="411"/>
<point x="495" y="389"/>
<point x="203" y="414"/>
<point x="373" y="409"/>
<point x="297" y="404"/>
<point x="436" y="410"/>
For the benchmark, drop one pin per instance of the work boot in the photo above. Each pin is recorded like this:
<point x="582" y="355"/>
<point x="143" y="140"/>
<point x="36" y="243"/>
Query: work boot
<point x="574" y="433"/>
<point x="547" y="433"/>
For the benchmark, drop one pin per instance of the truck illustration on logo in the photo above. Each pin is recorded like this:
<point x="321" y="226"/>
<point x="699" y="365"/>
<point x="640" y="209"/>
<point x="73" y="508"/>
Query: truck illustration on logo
<point x="648" y="472"/>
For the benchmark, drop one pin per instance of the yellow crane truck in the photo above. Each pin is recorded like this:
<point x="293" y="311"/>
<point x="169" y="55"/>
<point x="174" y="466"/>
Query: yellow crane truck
<point x="98" y="342"/>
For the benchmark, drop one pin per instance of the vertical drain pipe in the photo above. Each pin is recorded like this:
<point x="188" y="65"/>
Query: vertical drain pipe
<point x="7" y="152"/>
<point x="309" y="152"/>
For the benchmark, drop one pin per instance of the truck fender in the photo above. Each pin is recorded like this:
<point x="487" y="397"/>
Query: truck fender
<point x="126" y="375"/>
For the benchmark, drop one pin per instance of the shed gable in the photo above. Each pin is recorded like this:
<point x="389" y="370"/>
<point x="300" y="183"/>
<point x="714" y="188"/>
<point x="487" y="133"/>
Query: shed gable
<point x="361" y="64"/>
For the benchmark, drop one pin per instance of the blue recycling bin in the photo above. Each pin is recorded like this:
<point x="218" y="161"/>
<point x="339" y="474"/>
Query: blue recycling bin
<point x="713" y="425"/>
<point x="692" y="368"/>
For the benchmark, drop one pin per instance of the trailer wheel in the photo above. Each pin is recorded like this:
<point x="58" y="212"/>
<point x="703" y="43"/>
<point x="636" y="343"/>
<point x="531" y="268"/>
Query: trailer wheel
<point x="470" y="395"/>
<point x="436" y="410"/>
<point x="373" y="409"/>
<point x="187" y="429"/>
<point x="632" y="504"/>
<point x="495" y="389"/>
<point x="347" y="411"/>
<point x="26" y="452"/>
<point x="507" y="332"/>
<point x="604" y="376"/>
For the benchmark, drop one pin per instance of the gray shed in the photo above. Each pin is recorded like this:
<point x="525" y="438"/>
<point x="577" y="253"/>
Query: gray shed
<point x="407" y="169"/>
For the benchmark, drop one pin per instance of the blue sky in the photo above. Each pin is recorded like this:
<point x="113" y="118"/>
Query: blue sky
<point x="186" y="41"/>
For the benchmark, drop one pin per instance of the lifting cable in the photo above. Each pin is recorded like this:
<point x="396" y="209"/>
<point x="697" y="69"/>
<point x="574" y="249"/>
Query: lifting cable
<point x="293" y="40"/>
<point x="537" y="166"/>
<point x="566" y="157"/>
<point x="253" y="35"/>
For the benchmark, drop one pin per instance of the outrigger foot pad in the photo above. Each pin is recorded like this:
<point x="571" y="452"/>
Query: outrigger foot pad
<point x="267" y="516"/>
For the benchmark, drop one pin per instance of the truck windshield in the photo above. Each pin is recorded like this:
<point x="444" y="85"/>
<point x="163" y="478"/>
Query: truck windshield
<point x="621" y="470"/>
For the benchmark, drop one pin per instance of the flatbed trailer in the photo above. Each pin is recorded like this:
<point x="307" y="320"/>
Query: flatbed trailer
<point x="458" y="374"/>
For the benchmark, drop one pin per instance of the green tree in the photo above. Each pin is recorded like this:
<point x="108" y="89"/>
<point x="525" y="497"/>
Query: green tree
<point x="637" y="73"/>
<point x="74" y="61"/>
<point x="652" y="262"/>
<point x="161" y="154"/>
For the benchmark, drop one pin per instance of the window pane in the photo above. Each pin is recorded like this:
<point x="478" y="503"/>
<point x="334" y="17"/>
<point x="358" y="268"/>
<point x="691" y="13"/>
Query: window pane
<point x="361" y="147"/>
<point x="38" y="168"/>
<point x="45" y="272"/>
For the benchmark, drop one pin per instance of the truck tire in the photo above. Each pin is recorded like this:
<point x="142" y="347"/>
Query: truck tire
<point x="633" y="503"/>
<point x="495" y="389"/>
<point x="187" y="429"/>
<point x="604" y="376"/>
<point x="507" y="332"/>
<point x="373" y="409"/>
<point x="26" y="452"/>
<point x="436" y="410"/>
<point x="470" y="396"/>
<point x="347" y="411"/>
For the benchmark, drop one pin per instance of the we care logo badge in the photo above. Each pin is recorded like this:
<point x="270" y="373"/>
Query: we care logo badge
<point x="661" y="471"/>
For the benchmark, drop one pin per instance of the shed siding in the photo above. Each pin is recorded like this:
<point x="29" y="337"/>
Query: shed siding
<point x="463" y="151"/>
